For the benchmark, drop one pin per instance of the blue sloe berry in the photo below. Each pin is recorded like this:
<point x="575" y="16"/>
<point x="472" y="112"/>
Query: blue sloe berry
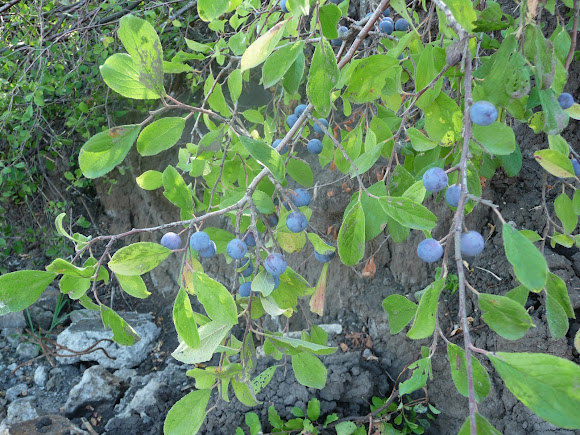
<point x="250" y="238"/>
<point x="566" y="100"/>
<point x="291" y="120"/>
<point x="171" y="241"/>
<point x="483" y="113"/>
<point x="199" y="241"/>
<point x="208" y="252"/>
<point x="435" y="179"/>
<point x="401" y="25"/>
<point x="314" y="146"/>
<point x="276" y="143"/>
<point x="300" y="110"/>
<point x="236" y="249"/>
<point x="300" y="197"/>
<point x="430" y="250"/>
<point x="576" y="166"/>
<point x="283" y="6"/>
<point x="245" y="289"/>
<point x="452" y="195"/>
<point x="296" y="221"/>
<point x="272" y="219"/>
<point x="275" y="264"/>
<point x="317" y="128"/>
<point x="472" y="243"/>
<point x="342" y="32"/>
<point x="386" y="26"/>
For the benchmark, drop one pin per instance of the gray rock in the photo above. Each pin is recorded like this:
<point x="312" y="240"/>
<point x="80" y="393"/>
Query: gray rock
<point x="15" y="391"/>
<point x="48" y="424"/>
<point x="88" y="329"/>
<point x="41" y="376"/>
<point x="13" y="321"/>
<point x="332" y="328"/>
<point x="40" y="317"/>
<point x="18" y="411"/>
<point x="96" y="385"/>
<point x="28" y="350"/>
<point x="12" y="335"/>
<point x="126" y="374"/>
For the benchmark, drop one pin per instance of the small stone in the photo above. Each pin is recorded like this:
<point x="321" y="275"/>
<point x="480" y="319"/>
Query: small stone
<point x="18" y="411"/>
<point x="332" y="328"/>
<point x="13" y="320"/>
<point x="48" y="424"/>
<point x="15" y="391"/>
<point x="41" y="376"/>
<point x="96" y="385"/>
<point x="88" y="329"/>
<point x="28" y="350"/>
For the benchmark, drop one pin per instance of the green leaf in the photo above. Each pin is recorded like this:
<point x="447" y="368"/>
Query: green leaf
<point x="519" y="294"/>
<point x="409" y="213"/>
<point x="176" y="191"/>
<point x="345" y="428"/>
<point x="421" y="371"/>
<point x="548" y="385"/>
<point x="505" y="316"/>
<point x="313" y="409"/>
<point x="298" y="7"/>
<point x="253" y="116"/>
<point x="263" y="283"/>
<point x="419" y="141"/>
<point x="279" y="62"/>
<point x="512" y="163"/>
<point x="497" y="138"/>
<point x="235" y="84"/>
<point x="532" y="236"/>
<point x="558" y="143"/>
<point x="555" y="119"/>
<point x="529" y="264"/>
<point x="160" y="135"/>
<point x="122" y="75"/>
<point x="322" y="78"/>
<point x="253" y="422"/>
<point x="188" y="413"/>
<point x="400" y="310"/>
<point x="367" y="78"/>
<point x="243" y="393"/>
<point x="565" y="212"/>
<point x="266" y="156"/>
<point x="263" y="202"/>
<point x="463" y="12"/>
<point x="263" y="379"/>
<point x="19" y="290"/>
<point x="458" y="364"/>
<point x="329" y="15"/>
<point x="293" y="76"/>
<point x="351" y="237"/>
<point x="309" y="370"/>
<point x="261" y="48"/>
<point x="105" y="150"/>
<point x="558" y="306"/>
<point x="215" y="298"/>
<point x="556" y="288"/>
<point x="299" y="345"/>
<point x="62" y="266"/>
<point x="209" y="10"/>
<point x="424" y="323"/>
<point x="320" y="245"/>
<point x="216" y="99"/>
<point x="133" y="285"/>
<point x="138" y="258"/>
<point x="318" y="335"/>
<point x="123" y="333"/>
<point x="555" y="163"/>
<point x="375" y="216"/>
<point x="210" y="335"/>
<point x="73" y="286"/>
<point x="483" y="426"/>
<point x="540" y="52"/>
<point x="184" y="321"/>
<point x="300" y="171"/>
<point x="143" y="45"/>
<point x="150" y="180"/>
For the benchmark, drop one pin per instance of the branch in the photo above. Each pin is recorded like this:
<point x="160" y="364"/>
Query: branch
<point x="574" y="34"/>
